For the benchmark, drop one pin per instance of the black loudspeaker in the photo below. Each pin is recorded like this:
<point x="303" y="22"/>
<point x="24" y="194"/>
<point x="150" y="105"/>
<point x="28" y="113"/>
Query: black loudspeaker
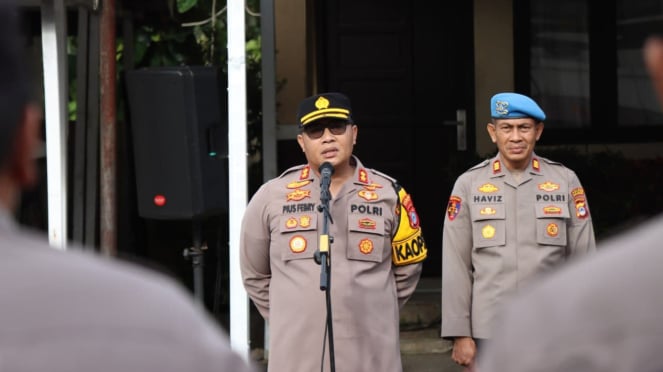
<point x="179" y="124"/>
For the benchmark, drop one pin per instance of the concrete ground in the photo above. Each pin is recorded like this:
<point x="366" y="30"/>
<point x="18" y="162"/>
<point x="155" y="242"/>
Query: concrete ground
<point x="430" y="363"/>
<point x="423" y="351"/>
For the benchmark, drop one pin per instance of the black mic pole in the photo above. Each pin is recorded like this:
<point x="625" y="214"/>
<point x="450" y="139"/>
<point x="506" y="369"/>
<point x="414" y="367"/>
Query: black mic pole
<point x="322" y="256"/>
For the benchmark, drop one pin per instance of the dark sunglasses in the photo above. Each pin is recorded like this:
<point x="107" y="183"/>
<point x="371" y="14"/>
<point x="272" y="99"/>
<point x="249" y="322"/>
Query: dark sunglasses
<point x="315" y="131"/>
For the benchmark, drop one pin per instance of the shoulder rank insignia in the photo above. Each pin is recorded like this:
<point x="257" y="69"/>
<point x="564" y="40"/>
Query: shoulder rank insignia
<point x="362" y="176"/>
<point x="305" y="173"/>
<point x="497" y="167"/>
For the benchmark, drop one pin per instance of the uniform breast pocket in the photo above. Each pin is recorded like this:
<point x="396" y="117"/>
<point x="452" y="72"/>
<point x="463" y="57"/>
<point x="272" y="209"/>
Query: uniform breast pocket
<point x="298" y="236"/>
<point x="366" y="238"/>
<point x="488" y="225"/>
<point x="551" y="224"/>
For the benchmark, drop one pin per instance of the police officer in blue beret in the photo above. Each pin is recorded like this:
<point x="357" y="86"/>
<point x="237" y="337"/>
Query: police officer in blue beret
<point x="508" y="219"/>
<point x="591" y="302"/>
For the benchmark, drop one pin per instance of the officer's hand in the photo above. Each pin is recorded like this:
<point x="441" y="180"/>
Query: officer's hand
<point x="464" y="351"/>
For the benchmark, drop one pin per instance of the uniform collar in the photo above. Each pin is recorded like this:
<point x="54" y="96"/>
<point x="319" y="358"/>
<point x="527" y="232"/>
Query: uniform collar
<point x="498" y="168"/>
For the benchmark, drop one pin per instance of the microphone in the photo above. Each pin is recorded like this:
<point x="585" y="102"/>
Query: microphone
<point x="326" y="171"/>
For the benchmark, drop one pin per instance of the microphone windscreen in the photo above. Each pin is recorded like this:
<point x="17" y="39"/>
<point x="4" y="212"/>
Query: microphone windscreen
<point x="326" y="169"/>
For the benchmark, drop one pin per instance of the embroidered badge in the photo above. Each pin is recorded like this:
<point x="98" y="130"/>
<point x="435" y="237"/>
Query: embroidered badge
<point x="488" y="187"/>
<point x="548" y="186"/>
<point x="502" y="107"/>
<point x="497" y="167"/>
<point x="298" y="195"/>
<point x="297" y="244"/>
<point x="408" y="245"/>
<point x="552" y="229"/>
<point x="535" y="164"/>
<point x="551" y="209"/>
<point x="305" y="173"/>
<point x="578" y="192"/>
<point x="304" y="221"/>
<point x="363" y="176"/>
<point x="291" y="223"/>
<point x="298" y="184"/>
<point x="453" y="208"/>
<point x="322" y="103"/>
<point x="488" y="232"/>
<point x="368" y="195"/>
<point x="373" y="186"/>
<point x="366" y="246"/>
<point x="411" y="212"/>
<point x="367" y="223"/>
<point x="488" y="211"/>
<point x="581" y="209"/>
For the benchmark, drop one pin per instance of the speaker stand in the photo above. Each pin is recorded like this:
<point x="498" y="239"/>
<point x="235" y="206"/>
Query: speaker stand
<point x="195" y="254"/>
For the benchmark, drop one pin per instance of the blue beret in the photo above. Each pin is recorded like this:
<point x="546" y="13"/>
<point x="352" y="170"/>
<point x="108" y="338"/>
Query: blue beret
<point x="514" y="105"/>
<point x="325" y="105"/>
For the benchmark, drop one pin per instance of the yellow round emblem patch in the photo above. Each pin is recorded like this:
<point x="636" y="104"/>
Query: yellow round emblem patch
<point x="291" y="223"/>
<point x="297" y="244"/>
<point x="552" y="229"/>
<point x="488" y="232"/>
<point x="365" y="246"/>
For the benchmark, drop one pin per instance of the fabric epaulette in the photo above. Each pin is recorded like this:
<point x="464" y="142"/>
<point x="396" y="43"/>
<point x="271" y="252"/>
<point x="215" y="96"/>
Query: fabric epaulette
<point x="391" y="179"/>
<point x="290" y="170"/>
<point x="551" y="162"/>
<point x="480" y="165"/>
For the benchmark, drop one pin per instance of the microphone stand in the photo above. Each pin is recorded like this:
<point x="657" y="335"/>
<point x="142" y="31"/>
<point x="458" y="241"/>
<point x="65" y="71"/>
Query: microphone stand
<point x="323" y="259"/>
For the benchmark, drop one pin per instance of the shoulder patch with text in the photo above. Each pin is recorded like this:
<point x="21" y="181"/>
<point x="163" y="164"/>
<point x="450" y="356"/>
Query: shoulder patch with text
<point x="408" y="245"/>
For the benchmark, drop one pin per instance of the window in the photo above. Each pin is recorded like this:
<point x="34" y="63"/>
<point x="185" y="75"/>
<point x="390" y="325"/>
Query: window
<point x="585" y="68"/>
<point x="637" y="101"/>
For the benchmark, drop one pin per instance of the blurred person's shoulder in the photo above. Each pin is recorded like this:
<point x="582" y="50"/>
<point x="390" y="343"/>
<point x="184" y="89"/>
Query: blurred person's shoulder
<point x="78" y="308"/>
<point x="614" y="292"/>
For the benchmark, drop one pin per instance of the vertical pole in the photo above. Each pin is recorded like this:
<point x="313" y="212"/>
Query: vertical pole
<point x="54" y="33"/>
<point x="237" y="169"/>
<point x="108" y="134"/>
<point x="268" y="49"/>
<point x="269" y="141"/>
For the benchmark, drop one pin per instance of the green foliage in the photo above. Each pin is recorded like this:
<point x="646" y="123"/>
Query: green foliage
<point x="185" y="5"/>
<point x="196" y="34"/>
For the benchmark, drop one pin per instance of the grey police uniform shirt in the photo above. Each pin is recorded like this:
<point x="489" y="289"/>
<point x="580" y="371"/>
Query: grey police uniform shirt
<point x="68" y="311"/>
<point x="600" y="314"/>
<point x="500" y="232"/>
<point x="280" y="232"/>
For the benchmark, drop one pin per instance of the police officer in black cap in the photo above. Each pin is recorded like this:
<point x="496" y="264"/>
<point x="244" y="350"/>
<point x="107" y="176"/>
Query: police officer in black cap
<point x="376" y="253"/>
<point x="508" y="219"/>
